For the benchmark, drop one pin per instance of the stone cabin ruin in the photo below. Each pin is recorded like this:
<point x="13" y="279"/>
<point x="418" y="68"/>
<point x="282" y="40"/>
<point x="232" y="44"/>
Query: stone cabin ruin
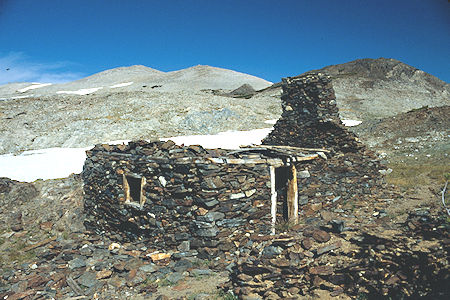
<point x="191" y="197"/>
<point x="170" y="194"/>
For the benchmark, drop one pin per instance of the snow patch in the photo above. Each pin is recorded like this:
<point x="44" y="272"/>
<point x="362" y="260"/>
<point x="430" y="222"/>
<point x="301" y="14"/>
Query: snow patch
<point x="121" y="85"/>
<point x="80" y="92"/>
<point x="118" y="142"/>
<point x="350" y="123"/>
<point x="34" y="85"/>
<point x="49" y="163"/>
<point x="271" y="122"/>
<point x="16" y="97"/>
<point x="224" y="140"/>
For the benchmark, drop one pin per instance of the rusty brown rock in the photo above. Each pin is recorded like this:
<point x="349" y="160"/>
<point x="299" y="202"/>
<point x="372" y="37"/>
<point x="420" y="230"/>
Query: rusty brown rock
<point x="392" y="280"/>
<point x="47" y="226"/>
<point x="16" y="222"/>
<point x="317" y="281"/>
<point x="337" y="291"/>
<point x="280" y="262"/>
<point x="321" y="236"/>
<point x="23" y="295"/>
<point x="307" y="243"/>
<point x="37" y="282"/>
<point x="160" y="256"/>
<point x="308" y="231"/>
<point x="103" y="274"/>
<point x="120" y="266"/>
<point x="321" y="270"/>
<point x="294" y="290"/>
<point x="245" y="277"/>
<point x="316" y="207"/>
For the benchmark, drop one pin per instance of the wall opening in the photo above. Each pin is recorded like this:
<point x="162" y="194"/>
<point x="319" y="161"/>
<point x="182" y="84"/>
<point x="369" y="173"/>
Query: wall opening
<point x="284" y="195"/>
<point x="282" y="176"/>
<point x="133" y="187"/>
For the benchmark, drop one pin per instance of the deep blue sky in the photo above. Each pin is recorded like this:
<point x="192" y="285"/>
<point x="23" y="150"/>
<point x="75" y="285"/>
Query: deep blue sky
<point x="62" y="40"/>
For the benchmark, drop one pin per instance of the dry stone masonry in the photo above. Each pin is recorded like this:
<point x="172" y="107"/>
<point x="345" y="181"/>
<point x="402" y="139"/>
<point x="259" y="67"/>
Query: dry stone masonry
<point x="183" y="197"/>
<point x="310" y="116"/>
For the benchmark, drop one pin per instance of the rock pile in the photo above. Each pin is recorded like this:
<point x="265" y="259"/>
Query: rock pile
<point x="213" y="204"/>
<point x="368" y="263"/>
<point x="90" y="267"/>
<point x="244" y="91"/>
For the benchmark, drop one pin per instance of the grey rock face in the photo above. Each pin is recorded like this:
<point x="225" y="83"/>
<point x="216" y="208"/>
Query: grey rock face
<point x="77" y="263"/>
<point x="175" y="277"/>
<point x="208" y="232"/>
<point x="148" y="268"/>
<point x="88" y="279"/>
<point x="271" y="251"/>
<point x="211" y="216"/>
<point x="123" y="105"/>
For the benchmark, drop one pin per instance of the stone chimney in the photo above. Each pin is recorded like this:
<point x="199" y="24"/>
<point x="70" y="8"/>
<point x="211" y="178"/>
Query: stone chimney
<point x="310" y="116"/>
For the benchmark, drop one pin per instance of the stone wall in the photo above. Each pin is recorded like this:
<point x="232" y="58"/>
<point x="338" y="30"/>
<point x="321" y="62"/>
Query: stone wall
<point x="191" y="199"/>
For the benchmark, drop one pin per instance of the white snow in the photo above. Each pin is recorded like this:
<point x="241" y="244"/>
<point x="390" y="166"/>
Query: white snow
<point x="17" y="97"/>
<point x="350" y="123"/>
<point x="81" y="91"/>
<point x="271" y="122"/>
<point x="121" y="84"/>
<point x="225" y="140"/>
<point x="34" y="85"/>
<point x="42" y="164"/>
<point x="55" y="163"/>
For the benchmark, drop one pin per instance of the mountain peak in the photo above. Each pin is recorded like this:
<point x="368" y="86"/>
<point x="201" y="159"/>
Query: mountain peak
<point x="130" y="69"/>
<point x="382" y="69"/>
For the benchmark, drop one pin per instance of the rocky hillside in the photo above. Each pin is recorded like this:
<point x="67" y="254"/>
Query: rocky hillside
<point x="419" y="132"/>
<point x="376" y="88"/>
<point x="128" y="103"/>
<point x="142" y="103"/>
<point x="138" y="78"/>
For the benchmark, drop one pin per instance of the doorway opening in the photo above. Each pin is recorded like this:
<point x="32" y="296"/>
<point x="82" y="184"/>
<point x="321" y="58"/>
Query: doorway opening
<point x="282" y="176"/>
<point x="284" y="198"/>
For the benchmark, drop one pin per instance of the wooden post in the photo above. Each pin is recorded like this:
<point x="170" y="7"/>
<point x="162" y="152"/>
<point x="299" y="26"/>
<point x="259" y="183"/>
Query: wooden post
<point x="273" y="198"/>
<point x="126" y="189"/>
<point x="292" y="197"/>
<point x="143" y="182"/>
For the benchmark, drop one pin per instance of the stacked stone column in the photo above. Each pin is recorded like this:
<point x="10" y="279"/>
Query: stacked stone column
<point x="310" y="116"/>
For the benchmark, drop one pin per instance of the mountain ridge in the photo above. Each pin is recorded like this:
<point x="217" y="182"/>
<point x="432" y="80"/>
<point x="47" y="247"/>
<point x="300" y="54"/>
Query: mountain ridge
<point x="192" y="78"/>
<point x="180" y="103"/>
<point x="383" y="87"/>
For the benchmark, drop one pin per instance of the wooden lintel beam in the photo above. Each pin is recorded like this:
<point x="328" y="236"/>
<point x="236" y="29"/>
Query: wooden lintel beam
<point x="262" y="147"/>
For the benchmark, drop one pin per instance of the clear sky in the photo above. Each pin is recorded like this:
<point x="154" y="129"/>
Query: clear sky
<point x="50" y="40"/>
